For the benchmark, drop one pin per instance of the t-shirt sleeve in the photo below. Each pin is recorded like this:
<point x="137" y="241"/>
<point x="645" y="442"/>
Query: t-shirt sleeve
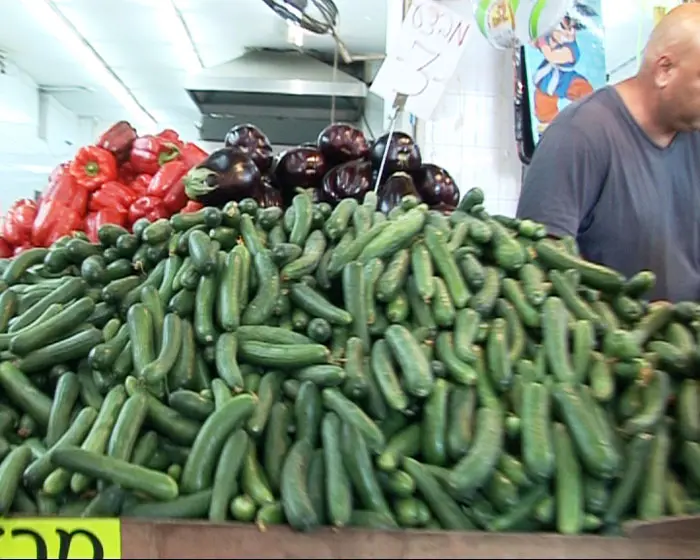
<point x="563" y="181"/>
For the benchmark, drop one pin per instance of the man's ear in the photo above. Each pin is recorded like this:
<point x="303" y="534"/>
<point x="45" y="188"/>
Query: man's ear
<point x="663" y="69"/>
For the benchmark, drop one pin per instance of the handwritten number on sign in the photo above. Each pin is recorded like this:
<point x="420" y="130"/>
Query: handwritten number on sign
<point x="426" y="55"/>
<point x="422" y="57"/>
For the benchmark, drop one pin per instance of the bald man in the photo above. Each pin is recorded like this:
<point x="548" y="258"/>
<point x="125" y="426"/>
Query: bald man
<point x="620" y="169"/>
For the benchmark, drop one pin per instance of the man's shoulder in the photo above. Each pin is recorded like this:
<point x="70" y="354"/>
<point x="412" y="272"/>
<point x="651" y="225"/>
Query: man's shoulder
<point x="593" y="116"/>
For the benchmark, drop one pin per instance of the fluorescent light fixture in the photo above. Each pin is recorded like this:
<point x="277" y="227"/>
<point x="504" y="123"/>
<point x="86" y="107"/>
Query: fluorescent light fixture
<point x="172" y="25"/>
<point x="295" y="34"/>
<point x="56" y="23"/>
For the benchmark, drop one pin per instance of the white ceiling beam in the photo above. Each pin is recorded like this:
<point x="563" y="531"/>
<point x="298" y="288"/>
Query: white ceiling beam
<point x="46" y="12"/>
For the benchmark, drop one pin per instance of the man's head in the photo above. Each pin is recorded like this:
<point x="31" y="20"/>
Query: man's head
<point x="670" y="71"/>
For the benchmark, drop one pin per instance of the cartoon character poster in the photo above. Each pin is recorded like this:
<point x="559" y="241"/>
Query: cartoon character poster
<point x="566" y="64"/>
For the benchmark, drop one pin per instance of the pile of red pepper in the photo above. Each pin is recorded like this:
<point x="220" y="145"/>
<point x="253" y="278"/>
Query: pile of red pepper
<point x="119" y="179"/>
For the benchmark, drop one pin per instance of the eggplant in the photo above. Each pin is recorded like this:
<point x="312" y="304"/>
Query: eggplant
<point x="348" y="180"/>
<point x="300" y="167"/>
<point x="397" y="186"/>
<point x="444" y="208"/>
<point x="251" y="140"/>
<point x="227" y="174"/>
<point x="342" y="142"/>
<point x="436" y="186"/>
<point x="403" y="154"/>
<point x="269" y="196"/>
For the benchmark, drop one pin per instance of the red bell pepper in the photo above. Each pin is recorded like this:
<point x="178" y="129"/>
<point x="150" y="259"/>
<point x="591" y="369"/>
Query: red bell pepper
<point x="126" y="173"/>
<point x="59" y="170"/>
<point x="95" y="220"/>
<point x="64" y="188"/>
<point x="192" y="154"/>
<point x="150" y="207"/>
<point x="118" y="140"/>
<point x="148" y="153"/>
<point x="93" y="166"/>
<point x="140" y="184"/>
<point x="176" y="199"/>
<point x="168" y="184"/>
<point x="17" y="226"/>
<point x="112" y="195"/>
<point x="167" y="177"/>
<point x="5" y="249"/>
<point x="169" y="135"/>
<point x="191" y="206"/>
<point x="54" y="220"/>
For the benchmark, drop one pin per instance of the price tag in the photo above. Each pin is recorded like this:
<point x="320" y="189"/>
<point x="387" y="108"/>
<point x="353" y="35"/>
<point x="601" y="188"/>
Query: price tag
<point x="60" y="538"/>
<point x="424" y="58"/>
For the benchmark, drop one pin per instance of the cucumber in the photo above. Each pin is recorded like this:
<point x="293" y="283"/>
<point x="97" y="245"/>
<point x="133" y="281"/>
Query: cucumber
<point x="65" y="399"/>
<point x="417" y="374"/>
<point x="338" y="488"/>
<point x="568" y="485"/>
<point x="11" y="469"/>
<point x="352" y="414"/>
<point x="358" y="462"/>
<point x="117" y="471"/>
<point x="24" y="394"/>
<point x="199" y="469"/>
<point x="473" y="470"/>
<point x="295" y="498"/>
<point x="596" y="276"/>
<point x="442" y="505"/>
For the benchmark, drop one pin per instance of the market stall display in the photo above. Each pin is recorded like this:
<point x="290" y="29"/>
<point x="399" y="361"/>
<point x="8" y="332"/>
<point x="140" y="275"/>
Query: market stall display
<point x="125" y="177"/>
<point x="120" y="179"/>
<point x="344" y="366"/>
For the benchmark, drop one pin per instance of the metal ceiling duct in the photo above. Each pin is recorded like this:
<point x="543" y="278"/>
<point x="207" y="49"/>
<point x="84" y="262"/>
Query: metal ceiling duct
<point x="289" y="95"/>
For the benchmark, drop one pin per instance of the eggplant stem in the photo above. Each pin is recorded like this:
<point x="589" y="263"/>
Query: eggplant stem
<point x="196" y="182"/>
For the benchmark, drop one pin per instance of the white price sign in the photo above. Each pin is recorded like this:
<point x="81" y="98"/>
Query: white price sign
<point x="424" y="58"/>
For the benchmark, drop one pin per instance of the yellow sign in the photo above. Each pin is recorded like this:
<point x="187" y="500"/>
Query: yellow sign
<point x="60" y="538"/>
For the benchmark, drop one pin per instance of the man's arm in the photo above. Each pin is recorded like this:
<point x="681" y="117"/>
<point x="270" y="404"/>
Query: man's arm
<point x="563" y="181"/>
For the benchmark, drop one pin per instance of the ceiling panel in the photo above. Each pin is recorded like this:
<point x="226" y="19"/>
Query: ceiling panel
<point x="214" y="55"/>
<point x="164" y="96"/>
<point x="91" y="104"/>
<point x="154" y="55"/>
<point x="136" y="78"/>
<point x="136" y="38"/>
<point x="58" y="74"/>
<point x="114" y="22"/>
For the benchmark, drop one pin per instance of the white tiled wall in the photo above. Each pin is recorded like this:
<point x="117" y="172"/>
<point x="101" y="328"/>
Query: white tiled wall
<point x="473" y="136"/>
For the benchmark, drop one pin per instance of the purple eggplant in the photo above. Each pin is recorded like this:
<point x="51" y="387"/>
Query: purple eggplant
<point x="269" y="196"/>
<point x="397" y="186"/>
<point x="342" y="142"/>
<point x="403" y="154"/>
<point x="300" y="167"/>
<point x="348" y="180"/>
<point x="227" y="174"/>
<point x="444" y="208"/>
<point x="251" y="140"/>
<point x="436" y="186"/>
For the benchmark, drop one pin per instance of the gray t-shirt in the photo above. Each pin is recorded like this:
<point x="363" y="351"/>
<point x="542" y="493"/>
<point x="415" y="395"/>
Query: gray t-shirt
<point x="597" y="176"/>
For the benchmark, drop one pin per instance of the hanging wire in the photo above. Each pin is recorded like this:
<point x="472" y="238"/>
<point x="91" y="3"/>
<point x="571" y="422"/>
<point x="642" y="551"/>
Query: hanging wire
<point x="295" y="11"/>
<point x="333" y="78"/>
<point x="298" y="13"/>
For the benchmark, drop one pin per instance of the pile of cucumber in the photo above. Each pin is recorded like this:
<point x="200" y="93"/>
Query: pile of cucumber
<point x="336" y="366"/>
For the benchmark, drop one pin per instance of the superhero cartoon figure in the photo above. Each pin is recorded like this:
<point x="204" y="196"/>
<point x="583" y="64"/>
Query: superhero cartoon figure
<point x="556" y="77"/>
